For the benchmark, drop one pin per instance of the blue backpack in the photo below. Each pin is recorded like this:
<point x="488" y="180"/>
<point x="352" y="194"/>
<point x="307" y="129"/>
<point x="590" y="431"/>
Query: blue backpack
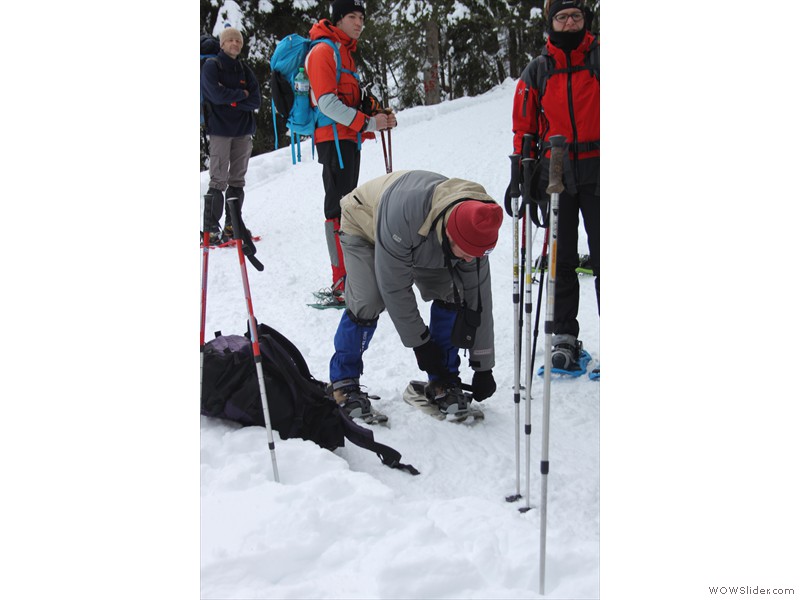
<point x="301" y="119"/>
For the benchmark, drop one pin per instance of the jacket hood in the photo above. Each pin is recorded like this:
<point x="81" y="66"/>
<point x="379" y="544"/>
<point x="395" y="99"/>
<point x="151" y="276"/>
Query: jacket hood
<point x="448" y="192"/>
<point x="325" y="29"/>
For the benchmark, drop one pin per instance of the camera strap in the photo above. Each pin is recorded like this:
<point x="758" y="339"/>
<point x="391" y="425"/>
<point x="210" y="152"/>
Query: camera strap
<point x="448" y="256"/>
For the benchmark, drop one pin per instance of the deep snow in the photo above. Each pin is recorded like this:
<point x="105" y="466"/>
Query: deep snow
<point x="341" y="525"/>
<point x="100" y="305"/>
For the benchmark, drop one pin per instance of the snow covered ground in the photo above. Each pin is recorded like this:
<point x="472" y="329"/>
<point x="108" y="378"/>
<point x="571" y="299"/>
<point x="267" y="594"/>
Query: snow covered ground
<point x="341" y="525"/>
<point x="99" y="445"/>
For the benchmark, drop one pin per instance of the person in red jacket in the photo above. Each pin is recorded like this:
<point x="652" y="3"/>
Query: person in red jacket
<point x="341" y="102"/>
<point x="559" y="94"/>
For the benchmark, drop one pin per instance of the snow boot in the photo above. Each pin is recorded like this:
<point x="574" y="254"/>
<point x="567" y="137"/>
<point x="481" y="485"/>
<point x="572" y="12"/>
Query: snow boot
<point x="227" y="233"/>
<point x="355" y="402"/>
<point x="448" y="396"/>
<point x="232" y="192"/>
<point x="566" y="350"/>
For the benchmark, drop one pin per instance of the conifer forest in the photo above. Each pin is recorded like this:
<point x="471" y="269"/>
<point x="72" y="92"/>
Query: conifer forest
<point x="411" y="52"/>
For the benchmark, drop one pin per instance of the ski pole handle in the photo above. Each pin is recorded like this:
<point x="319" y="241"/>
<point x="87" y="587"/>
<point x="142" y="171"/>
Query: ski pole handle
<point x="515" y="193"/>
<point x="235" y="210"/>
<point x="244" y="241"/>
<point x="208" y="207"/>
<point x="557" y="147"/>
<point x="527" y="166"/>
<point x="512" y="191"/>
<point x="527" y="142"/>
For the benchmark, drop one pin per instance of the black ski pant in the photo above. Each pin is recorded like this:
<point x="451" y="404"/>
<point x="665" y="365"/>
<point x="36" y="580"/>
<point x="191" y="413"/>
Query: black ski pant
<point x="585" y="202"/>
<point x="338" y="182"/>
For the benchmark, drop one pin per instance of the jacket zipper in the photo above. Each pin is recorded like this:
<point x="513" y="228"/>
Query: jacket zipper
<point x="572" y="117"/>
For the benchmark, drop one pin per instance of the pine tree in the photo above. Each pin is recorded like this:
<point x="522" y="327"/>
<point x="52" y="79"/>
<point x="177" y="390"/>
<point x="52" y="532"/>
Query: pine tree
<point x="411" y="53"/>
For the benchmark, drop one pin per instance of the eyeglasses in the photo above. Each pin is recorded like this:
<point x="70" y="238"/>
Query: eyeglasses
<point x="576" y="17"/>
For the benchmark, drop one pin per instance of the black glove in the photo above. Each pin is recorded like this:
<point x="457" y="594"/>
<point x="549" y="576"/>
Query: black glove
<point x="430" y="358"/>
<point x="483" y="385"/>
<point x="369" y="103"/>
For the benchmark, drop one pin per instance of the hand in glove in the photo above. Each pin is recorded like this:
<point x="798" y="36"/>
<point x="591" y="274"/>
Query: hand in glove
<point x="369" y="103"/>
<point x="483" y="385"/>
<point x="430" y="358"/>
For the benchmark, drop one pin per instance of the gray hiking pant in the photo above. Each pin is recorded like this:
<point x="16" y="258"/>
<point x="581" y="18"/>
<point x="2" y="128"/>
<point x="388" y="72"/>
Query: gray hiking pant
<point x="228" y="159"/>
<point x="361" y="286"/>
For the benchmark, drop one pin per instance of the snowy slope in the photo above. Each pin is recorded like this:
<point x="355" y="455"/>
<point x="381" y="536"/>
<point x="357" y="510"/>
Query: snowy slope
<point x="341" y="525"/>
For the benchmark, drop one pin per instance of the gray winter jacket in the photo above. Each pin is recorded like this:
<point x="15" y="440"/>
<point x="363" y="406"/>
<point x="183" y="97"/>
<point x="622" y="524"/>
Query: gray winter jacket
<point x="396" y="213"/>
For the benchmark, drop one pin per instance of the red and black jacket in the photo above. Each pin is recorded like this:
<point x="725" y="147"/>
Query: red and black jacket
<point x="559" y="94"/>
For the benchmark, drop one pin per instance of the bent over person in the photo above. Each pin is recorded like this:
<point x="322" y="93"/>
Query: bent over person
<point x="416" y="228"/>
<point x="559" y="94"/>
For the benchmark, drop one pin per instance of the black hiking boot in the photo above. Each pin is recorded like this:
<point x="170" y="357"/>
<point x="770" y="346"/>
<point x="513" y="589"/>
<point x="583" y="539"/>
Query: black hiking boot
<point x="566" y="350"/>
<point x="448" y="396"/>
<point x="355" y="402"/>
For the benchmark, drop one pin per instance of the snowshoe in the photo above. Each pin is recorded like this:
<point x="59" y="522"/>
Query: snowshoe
<point x="218" y="242"/>
<point x="577" y="368"/>
<point x="450" y="403"/>
<point x="595" y="374"/>
<point x="584" y="265"/>
<point x="328" y="299"/>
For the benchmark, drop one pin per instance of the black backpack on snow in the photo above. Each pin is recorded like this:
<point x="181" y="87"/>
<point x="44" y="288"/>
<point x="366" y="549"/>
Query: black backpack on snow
<point x="298" y="404"/>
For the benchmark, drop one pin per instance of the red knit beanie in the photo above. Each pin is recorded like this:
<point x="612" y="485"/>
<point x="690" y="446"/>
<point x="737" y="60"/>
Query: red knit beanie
<point x="474" y="225"/>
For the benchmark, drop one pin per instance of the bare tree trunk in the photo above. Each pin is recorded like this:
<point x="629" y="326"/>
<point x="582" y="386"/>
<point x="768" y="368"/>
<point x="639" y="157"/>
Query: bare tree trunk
<point x="513" y="52"/>
<point x="433" y="94"/>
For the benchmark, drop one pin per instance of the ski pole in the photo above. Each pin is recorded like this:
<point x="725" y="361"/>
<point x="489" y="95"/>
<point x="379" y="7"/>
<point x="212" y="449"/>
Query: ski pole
<point x="239" y="230"/>
<point x="385" y="155"/>
<point x="207" y="219"/>
<point x="515" y="193"/>
<point x="540" y="266"/>
<point x="554" y="188"/>
<point x="528" y="310"/>
<point x="528" y="185"/>
<point x="389" y="135"/>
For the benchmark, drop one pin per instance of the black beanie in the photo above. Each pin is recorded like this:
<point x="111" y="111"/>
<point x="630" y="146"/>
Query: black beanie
<point x="340" y="8"/>
<point x="558" y="5"/>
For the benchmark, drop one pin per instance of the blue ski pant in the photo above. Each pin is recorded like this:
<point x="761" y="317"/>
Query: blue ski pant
<point x="365" y="304"/>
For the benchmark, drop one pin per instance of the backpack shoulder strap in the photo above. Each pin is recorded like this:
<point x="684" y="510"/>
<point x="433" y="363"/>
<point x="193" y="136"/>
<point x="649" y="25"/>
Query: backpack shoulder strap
<point x="338" y="56"/>
<point x="593" y="59"/>
<point x="212" y="58"/>
<point x="545" y="68"/>
<point x="248" y="73"/>
<point x="288" y="347"/>
<point x="363" y="437"/>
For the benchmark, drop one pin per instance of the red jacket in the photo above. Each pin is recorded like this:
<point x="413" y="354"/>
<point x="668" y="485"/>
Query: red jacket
<point x="570" y="104"/>
<point x="321" y="69"/>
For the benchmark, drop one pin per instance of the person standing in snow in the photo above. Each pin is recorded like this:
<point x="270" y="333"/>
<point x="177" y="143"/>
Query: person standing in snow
<point x="569" y="106"/>
<point x="232" y="96"/>
<point x="355" y="118"/>
<point x="416" y="228"/>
